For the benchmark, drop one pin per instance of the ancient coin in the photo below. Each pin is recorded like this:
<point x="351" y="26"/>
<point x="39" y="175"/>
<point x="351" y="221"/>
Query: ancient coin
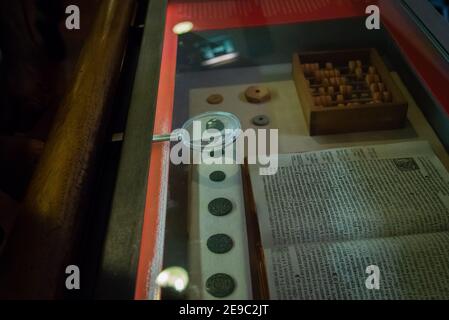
<point x="215" y="99"/>
<point x="217" y="176"/>
<point x="220" y="207"/>
<point x="220" y="285"/>
<point x="261" y="121"/>
<point x="220" y="243"/>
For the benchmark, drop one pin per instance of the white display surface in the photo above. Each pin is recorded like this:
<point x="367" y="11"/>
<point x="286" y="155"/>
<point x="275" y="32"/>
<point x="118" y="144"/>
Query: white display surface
<point x="234" y="263"/>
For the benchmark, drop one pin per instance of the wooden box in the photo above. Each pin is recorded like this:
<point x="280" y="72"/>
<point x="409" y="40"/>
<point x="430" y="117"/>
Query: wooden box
<point x="363" y="115"/>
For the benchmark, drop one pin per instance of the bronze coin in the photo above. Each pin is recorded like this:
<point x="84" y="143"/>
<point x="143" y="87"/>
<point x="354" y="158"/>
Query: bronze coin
<point x="261" y="121"/>
<point x="257" y="94"/>
<point x="215" y="99"/>
<point x="220" y="207"/>
<point x="220" y="285"/>
<point x="220" y="243"/>
<point x="217" y="176"/>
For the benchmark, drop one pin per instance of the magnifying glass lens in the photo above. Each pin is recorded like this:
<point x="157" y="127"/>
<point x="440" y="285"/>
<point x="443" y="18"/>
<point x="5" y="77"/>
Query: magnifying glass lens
<point x="211" y="130"/>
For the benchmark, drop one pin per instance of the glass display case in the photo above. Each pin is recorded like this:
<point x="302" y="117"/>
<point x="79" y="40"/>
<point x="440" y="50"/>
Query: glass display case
<point x="328" y="88"/>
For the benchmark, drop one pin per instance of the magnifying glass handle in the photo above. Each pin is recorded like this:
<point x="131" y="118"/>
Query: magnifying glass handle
<point x="161" y="137"/>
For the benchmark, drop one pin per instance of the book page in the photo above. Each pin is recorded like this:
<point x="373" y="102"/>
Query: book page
<point x="410" y="267"/>
<point x="352" y="194"/>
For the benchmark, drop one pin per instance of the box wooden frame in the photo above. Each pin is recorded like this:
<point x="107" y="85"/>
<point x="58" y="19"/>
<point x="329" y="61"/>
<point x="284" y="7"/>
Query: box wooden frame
<point x="343" y="119"/>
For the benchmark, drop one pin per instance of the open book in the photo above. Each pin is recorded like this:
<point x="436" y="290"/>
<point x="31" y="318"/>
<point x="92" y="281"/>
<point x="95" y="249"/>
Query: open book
<point x="328" y="218"/>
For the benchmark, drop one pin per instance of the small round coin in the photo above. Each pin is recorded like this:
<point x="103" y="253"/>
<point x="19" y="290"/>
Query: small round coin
<point x="217" y="176"/>
<point x="220" y="285"/>
<point x="220" y="207"/>
<point x="215" y="99"/>
<point x="261" y="121"/>
<point x="220" y="243"/>
<point x="257" y="94"/>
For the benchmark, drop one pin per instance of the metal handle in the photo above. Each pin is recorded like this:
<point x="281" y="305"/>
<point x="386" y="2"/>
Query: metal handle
<point x="161" y="137"/>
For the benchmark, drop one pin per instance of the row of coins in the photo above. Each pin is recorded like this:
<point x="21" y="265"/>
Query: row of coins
<point x="220" y="285"/>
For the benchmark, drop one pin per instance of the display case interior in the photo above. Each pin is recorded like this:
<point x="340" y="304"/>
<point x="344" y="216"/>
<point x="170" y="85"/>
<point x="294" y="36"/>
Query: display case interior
<point x="228" y="63"/>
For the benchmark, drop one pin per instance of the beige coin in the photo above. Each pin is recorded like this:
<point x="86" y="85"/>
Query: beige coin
<point x="257" y="94"/>
<point x="215" y="99"/>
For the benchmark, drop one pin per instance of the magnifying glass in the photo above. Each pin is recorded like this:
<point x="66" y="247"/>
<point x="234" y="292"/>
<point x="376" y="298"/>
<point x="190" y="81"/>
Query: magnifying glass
<point x="222" y="125"/>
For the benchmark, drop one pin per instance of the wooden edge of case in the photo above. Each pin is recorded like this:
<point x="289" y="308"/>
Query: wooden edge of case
<point x="257" y="260"/>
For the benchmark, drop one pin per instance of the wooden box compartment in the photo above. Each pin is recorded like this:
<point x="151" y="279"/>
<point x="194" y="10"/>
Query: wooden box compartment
<point x="352" y="114"/>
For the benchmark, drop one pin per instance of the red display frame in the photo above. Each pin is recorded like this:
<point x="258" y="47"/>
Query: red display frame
<point x="224" y="14"/>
